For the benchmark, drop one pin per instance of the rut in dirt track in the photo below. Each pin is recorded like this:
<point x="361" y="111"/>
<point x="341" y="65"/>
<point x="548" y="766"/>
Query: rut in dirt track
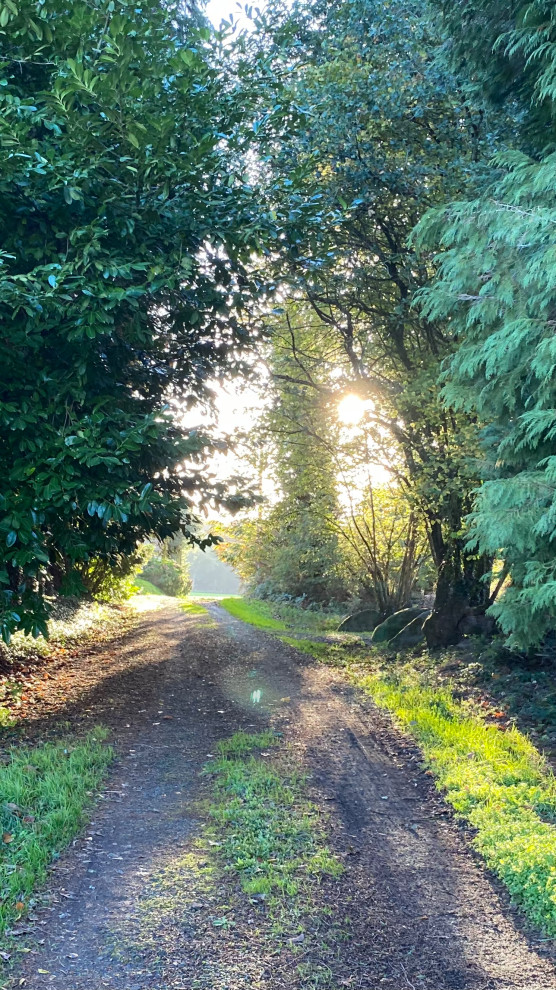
<point x="423" y="914"/>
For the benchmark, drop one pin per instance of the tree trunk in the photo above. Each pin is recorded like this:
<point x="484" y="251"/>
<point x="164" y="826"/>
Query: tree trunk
<point x="460" y="587"/>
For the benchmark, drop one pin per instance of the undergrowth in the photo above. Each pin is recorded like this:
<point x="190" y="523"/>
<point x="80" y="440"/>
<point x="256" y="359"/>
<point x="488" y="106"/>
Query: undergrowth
<point x="46" y="791"/>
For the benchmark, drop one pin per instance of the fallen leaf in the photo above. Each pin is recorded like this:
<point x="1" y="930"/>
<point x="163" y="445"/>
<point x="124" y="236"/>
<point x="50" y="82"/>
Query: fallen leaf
<point x="5" y="956"/>
<point x="7" y="837"/>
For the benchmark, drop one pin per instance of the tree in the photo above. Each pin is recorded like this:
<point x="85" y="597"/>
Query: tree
<point x="127" y="233"/>
<point x="302" y="557"/>
<point x="496" y="284"/>
<point x="386" y="133"/>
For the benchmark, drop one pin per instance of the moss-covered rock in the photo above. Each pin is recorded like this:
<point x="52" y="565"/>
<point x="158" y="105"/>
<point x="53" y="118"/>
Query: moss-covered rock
<point x="363" y="621"/>
<point x="410" y="635"/>
<point x="396" y="622"/>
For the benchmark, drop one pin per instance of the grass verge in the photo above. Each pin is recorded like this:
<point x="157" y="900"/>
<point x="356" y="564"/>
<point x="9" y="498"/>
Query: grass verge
<point x="491" y="774"/>
<point x="277" y="616"/>
<point x="495" y="779"/>
<point x="270" y="834"/>
<point x="46" y="791"/>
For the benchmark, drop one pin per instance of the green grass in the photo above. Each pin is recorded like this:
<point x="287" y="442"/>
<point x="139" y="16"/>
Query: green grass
<point x="210" y="594"/>
<point x="496" y="780"/>
<point x="146" y="587"/>
<point x="192" y="608"/>
<point x="270" y="833"/>
<point x="255" y="613"/>
<point x="46" y="791"/>
<point x="285" y="618"/>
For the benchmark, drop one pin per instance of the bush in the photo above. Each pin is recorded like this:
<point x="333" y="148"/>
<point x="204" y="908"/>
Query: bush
<point x="168" y="576"/>
<point x="107" y="580"/>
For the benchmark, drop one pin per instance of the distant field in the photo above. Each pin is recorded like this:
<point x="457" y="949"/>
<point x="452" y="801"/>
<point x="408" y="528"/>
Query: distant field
<point x="210" y="594"/>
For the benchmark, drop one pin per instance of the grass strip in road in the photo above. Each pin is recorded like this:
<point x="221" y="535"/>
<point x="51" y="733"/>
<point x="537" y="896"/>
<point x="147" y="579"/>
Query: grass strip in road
<point x="45" y="793"/>
<point x="192" y="608"/>
<point x="270" y="833"/>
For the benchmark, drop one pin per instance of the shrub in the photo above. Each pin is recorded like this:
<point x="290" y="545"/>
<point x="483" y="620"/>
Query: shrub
<point x="168" y="576"/>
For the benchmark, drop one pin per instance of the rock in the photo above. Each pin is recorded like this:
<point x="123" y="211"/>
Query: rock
<point x="364" y="621"/>
<point x="395" y="623"/>
<point x="410" y="635"/>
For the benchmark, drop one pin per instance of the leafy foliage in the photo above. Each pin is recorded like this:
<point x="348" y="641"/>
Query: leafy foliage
<point x="386" y="133"/>
<point x="126" y="224"/>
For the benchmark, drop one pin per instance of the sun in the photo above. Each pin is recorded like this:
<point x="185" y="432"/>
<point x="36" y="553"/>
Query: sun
<point x="351" y="410"/>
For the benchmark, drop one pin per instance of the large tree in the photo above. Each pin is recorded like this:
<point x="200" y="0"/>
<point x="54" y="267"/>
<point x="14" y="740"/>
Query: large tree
<point x="383" y="131"/>
<point x="127" y="226"/>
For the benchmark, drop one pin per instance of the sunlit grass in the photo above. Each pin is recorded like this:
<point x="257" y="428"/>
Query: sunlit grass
<point x="192" y="608"/>
<point x="45" y="791"/>
<point x="146" y="587"/>
<point x="282" y="617"/>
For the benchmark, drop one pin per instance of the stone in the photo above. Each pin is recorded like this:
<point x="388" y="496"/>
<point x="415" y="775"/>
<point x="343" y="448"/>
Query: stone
<point x="410" y="635"/>
<point x="363" y="621"/>
<point x="396" y="622"/>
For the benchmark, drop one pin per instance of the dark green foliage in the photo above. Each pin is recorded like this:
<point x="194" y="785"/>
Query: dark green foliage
<point x="363" y="621"/>
<point x="125" y="225"/>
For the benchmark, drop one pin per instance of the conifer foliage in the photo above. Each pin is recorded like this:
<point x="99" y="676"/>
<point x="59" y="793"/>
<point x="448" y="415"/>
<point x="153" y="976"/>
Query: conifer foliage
<point x="497" y="286"/>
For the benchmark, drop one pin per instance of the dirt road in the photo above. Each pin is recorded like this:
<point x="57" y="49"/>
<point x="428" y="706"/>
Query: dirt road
<point x="128" y="908"/>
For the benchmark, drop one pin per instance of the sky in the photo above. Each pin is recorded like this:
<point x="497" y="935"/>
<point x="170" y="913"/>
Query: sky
<point x="218" y="9"/>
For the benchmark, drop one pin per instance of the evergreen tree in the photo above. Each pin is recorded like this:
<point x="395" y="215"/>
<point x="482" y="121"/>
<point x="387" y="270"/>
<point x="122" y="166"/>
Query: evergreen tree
<point x="497" y="286"/>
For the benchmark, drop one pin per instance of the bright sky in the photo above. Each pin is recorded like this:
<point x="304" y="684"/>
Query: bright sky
<point x="218" y="9"/>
